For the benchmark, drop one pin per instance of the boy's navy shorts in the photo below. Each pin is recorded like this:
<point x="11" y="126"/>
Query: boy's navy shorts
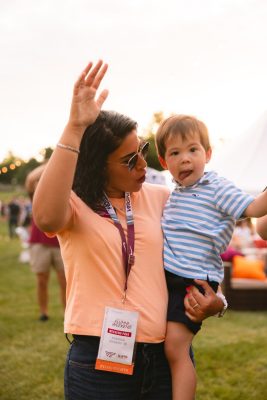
<point x="177" y="290"/>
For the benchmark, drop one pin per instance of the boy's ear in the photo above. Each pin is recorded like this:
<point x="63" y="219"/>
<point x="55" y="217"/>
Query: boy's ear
<point x="163" y="162"/>
<point x="208" y="155"/>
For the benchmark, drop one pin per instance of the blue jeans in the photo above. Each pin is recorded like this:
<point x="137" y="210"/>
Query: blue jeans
<point x="151" y="379"/>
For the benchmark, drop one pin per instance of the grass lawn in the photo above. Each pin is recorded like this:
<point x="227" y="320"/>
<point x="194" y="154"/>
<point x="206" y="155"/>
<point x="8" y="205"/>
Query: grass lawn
<point x="231" y="357"/>
<point x="231" y="353"/>
<point x="32" y="353"/>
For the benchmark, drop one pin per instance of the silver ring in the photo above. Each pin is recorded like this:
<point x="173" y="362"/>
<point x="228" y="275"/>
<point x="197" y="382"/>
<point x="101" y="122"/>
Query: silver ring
<point x="196" y="305"/>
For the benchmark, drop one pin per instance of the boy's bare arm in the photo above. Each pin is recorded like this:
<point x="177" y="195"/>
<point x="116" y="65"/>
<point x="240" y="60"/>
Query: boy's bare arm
<point x="258" y="207"/>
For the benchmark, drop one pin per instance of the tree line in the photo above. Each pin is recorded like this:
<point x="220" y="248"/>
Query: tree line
<point x="13" y="170"/>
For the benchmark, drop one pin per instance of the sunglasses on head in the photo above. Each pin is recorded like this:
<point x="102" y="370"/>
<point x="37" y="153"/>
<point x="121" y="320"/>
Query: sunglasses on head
<point x="131" y="163"/>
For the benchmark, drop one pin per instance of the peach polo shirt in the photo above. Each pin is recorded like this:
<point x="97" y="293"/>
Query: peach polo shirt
<point x="92" y="255"/>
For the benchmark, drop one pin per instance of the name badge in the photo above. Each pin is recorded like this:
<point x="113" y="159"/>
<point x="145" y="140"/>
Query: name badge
<point x="116" y="347"/>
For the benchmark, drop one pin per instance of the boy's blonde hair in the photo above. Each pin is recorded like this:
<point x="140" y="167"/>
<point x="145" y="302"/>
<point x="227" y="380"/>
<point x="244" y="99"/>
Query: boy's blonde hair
<point x="183" y="125"/>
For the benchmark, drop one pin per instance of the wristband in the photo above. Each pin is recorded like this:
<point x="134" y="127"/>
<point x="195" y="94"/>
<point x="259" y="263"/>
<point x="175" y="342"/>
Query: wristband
<point x="225" y="305"/>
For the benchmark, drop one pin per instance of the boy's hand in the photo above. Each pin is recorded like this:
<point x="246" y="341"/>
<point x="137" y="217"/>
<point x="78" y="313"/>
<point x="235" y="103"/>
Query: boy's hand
<point x="199" y="306"/>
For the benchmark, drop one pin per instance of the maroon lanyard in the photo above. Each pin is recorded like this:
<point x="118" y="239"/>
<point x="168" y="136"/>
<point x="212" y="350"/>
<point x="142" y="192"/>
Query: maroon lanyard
<point x="127" y="247"/>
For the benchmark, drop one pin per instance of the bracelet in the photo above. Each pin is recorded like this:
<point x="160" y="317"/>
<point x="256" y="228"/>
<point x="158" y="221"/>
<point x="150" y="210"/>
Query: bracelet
<point x="67" y="147"/>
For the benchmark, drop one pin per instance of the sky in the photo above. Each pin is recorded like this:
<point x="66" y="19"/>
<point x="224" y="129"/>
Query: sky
<point x="206" y="58"/>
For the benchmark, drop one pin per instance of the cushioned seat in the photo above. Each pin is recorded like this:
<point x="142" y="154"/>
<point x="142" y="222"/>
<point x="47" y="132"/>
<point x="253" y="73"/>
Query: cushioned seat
<point x="243" y="283"/>
<point x="243" y="293"/>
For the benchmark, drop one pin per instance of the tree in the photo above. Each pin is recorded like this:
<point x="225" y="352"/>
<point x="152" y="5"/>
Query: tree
<point x="8" y="169"/>
<point x="46" y="153"/>
<point x="25" y="169"/>
<point x="152" y="158"/>
<point x="13" y="170"/>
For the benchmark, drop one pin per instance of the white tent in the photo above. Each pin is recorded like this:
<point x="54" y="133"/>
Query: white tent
<point x="154" y="176"/>
<point x="244" y="161"/>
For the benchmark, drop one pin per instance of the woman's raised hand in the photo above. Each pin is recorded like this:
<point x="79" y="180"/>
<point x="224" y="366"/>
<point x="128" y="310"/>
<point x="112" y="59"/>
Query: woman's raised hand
<point x="85" y="107"/>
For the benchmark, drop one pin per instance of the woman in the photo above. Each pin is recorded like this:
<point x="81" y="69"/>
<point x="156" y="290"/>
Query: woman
<point x="261" y="227"/>
<point x="108" y="262"/>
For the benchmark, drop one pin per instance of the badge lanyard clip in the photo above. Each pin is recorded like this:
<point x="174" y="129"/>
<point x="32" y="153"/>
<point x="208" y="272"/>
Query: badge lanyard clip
<point x="131" y="258"/>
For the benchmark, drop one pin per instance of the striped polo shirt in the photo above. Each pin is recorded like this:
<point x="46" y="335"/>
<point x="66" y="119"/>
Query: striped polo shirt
<point x="198" y="223"/>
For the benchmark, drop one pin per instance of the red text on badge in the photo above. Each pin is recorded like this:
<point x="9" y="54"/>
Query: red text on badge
<point x="119" y="333"/>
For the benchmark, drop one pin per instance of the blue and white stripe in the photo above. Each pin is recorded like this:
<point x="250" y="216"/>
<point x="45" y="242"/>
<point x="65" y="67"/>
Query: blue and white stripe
<point x="198" y="223"/>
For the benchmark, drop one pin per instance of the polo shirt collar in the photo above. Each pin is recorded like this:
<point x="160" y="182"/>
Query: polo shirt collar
<point x="204" y="180"/>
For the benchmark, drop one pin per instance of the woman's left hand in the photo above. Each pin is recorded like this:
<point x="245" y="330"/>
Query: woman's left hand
<point x="199" y="306"/>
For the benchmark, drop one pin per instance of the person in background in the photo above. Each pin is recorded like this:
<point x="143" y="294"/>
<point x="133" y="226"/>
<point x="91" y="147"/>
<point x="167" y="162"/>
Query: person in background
<point x="198" y="223"/>
<point x="44" y="255"/>
<point x="244" y="233"/>
<point x="261" y="227"/>
<point x="94" y="183"/>
<point x="26" y="213"/>
<point x="2" y="209"/>
<point x="241" y="239"/>
<point x="13" y="214"/>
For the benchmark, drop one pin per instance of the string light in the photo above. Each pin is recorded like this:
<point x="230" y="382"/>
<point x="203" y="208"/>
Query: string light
<point x="11" y="167"/>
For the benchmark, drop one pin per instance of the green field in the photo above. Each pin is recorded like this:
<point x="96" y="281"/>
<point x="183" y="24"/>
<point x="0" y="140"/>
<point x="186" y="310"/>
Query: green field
<point x="231" y="353"/>
<point x="32" y="353"/>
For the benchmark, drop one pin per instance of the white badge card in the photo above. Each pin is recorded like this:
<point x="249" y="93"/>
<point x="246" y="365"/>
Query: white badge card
<point x="117" y="341"/>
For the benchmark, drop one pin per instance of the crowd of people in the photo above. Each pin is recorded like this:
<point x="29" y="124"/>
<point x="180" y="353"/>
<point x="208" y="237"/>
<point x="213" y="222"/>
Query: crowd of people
<point x="42" y="253"/>
<point x="17" y="213"/>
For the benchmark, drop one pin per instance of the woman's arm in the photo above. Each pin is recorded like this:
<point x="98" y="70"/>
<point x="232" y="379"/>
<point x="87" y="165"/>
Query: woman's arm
<point x="261" y="227"/>
<point x="51" y="199"/>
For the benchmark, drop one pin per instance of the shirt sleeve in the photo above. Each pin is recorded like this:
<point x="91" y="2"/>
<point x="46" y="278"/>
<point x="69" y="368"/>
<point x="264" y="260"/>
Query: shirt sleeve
<point x="231" y="200"/>
<point x="73" y="206"/>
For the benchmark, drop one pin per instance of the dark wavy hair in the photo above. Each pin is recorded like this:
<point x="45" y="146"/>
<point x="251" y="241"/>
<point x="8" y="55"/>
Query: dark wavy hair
<point x="98" y="142"/>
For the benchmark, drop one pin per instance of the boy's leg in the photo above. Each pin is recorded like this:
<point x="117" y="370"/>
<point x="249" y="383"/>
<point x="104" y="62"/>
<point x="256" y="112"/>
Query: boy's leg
<point x="177" y="348"/>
